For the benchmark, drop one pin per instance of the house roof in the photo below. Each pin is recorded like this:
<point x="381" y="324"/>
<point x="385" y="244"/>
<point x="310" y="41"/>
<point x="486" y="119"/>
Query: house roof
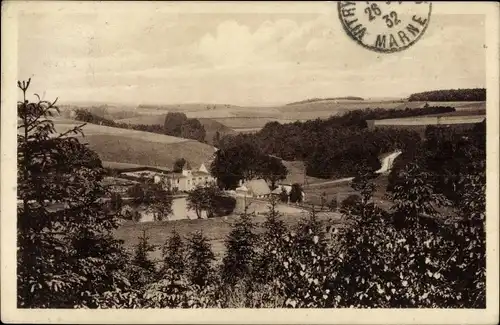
<point x="175" y="175"/>
<point x="258" y="187"/>
<point x="199" y="173"/>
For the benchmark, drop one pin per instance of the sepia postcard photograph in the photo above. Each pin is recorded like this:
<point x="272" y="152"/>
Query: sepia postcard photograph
<point x="250" y="162"/>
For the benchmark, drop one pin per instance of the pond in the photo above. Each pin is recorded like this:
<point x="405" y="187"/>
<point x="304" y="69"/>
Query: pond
<point x="179" y="211"/>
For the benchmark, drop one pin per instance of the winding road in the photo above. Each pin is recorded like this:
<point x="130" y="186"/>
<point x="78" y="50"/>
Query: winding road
<point x="386" y="165"/>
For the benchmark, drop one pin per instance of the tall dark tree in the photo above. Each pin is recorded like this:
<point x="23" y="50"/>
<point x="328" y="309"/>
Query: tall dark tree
<point x="199" y="259"/>
<point x="161" y="202"/>
<point x="240" y="250"/>
<point x="142" y="250"/>
<point x="173" y="123"/>
<point x="271" y="169"/>
<point x="235" y="163"/>
<point x="296" y="193"/>
<point x="271" y="243"/>
<point x="66" y="251"/>
<point x="216" y="139"/>
<point x="174" y="258"/>
<point x="179" y="165"/>
<point x="193" y="129"/>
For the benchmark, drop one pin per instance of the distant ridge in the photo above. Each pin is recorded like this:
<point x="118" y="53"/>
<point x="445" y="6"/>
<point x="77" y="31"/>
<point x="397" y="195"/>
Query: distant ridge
<point x="312" y="100"/>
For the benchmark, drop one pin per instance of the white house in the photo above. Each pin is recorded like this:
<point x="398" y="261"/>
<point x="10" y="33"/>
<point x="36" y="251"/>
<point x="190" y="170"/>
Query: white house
<point x="186" y="180"/>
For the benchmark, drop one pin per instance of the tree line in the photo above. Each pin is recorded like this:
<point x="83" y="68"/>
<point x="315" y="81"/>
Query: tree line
<point x="176" y="124"/>
<point x="333" y="148"/>
<point x="450" y="95"/>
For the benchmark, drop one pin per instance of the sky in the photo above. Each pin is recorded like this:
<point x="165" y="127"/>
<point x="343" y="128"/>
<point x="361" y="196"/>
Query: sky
<point x="160" y="54"/>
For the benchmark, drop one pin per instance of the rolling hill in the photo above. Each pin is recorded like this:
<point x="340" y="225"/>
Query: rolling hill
<point x="230" y="118"/>
<point x="140" y="148"/>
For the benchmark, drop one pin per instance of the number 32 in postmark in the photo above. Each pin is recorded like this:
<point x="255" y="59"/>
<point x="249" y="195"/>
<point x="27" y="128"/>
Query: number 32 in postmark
<point x="386" y="27"/>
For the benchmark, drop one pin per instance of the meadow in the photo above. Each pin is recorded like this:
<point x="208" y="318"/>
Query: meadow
<point x="125" y="146"/>
<point x="215" y="229"/>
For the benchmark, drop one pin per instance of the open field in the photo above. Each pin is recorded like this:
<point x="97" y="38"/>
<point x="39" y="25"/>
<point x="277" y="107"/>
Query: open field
<point x="432" y="120"/>
<point x="342" y="190"/>
<point x="142" y="152"/>
<point x="115" y="145"/>
<point x="94" y="129"/>
<point x="215" y="229"/>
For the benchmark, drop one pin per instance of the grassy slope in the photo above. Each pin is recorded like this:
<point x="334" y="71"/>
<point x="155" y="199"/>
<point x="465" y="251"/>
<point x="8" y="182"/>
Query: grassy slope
<point x="212" y="127"/>
<point x="341" y="190"/>
<point x="141" y="148"/>
<point x="136" y="151"/>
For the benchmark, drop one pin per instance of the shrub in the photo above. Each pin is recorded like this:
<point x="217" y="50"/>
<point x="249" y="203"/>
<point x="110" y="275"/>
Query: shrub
<point x="350" y="204"/>
<point x="306" y="264"/>
<point x="283" y="195"/>
<point x="224" y="205"/>
<point x="333" y="205"/>
<point x="421" y="262"/>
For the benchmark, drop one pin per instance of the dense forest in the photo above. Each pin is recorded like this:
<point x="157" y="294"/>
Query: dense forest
<point x="176" y="124"/>
<point x="338" y="146"/>
<point x="450" y="95"/>
<point x="428" y="250"/>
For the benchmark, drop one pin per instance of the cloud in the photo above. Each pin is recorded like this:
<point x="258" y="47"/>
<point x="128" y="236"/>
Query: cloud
<point x="240" y="59"/>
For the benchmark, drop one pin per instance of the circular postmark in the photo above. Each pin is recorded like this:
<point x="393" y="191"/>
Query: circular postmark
<point x="385" y="26"/>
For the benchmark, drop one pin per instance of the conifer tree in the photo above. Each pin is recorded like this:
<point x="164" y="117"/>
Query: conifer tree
<point x="66" y="250"/>
<point x="173" y="254"/>
<point x="240" y="250"/>
<point x="200" y="258"/>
